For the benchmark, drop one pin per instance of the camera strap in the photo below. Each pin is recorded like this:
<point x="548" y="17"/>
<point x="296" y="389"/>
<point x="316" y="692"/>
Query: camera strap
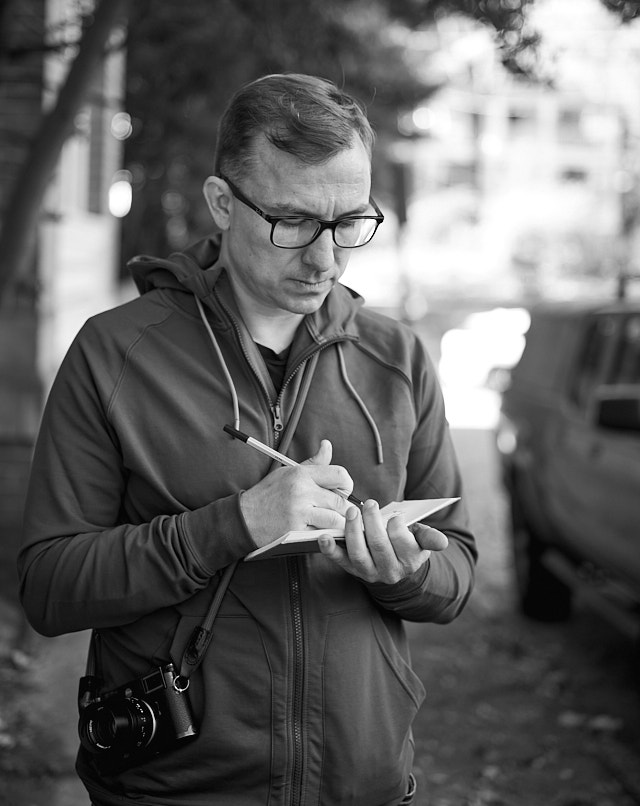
<point x="201" y="636"/>
<point x="196" y="646"/>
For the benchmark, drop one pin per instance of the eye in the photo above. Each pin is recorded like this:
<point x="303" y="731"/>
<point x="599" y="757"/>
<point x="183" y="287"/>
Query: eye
<point x="292" y="223"/>
<point x="349" y="224"/>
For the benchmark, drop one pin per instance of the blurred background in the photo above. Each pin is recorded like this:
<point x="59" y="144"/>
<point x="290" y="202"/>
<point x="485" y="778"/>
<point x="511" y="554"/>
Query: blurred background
<point x="507" y="167"/>
<point x="507" y="162"/>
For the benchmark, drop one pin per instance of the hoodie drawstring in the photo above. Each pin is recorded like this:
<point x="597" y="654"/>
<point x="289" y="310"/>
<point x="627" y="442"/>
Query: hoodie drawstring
<point x="343" y="370"/>
<point x="227" y="374"/>
<point x="363" y="408"/>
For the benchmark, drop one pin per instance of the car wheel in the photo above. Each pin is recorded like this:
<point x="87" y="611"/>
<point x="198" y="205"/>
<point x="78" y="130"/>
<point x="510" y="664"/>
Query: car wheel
<point x="541" y="595"/>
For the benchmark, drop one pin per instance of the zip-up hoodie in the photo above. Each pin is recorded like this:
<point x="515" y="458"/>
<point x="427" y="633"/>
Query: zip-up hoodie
<point x="306" y="694"/>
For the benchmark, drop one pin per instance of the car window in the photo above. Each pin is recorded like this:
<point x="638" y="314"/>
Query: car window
<point x="626" y="365"/>
<point x="590" y="370"/>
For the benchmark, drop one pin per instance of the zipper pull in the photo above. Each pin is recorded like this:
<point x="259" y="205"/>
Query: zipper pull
<point x="278" y="425"/>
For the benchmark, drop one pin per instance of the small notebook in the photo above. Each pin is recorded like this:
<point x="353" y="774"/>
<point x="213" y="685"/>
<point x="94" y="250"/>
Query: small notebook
<point x="307" y="540"/>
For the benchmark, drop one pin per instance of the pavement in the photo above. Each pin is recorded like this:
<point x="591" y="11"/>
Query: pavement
<point x="38" y="688"/>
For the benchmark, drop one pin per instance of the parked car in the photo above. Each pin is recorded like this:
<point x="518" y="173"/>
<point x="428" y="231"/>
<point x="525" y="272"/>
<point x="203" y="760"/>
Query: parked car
<point x="569" y="443"/>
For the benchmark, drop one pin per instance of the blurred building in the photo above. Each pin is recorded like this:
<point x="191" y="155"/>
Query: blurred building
<point x="74" y="273"/>
<point x="522" y="190"/>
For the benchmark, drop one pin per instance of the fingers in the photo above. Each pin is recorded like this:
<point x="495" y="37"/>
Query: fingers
<point x="367" y="541"/>
<point x="330" y="548"/>
<point x="321" y="518"/>
<point x="323" y="456"/>
<point x="295" y="498"/>
<point x="428" y="537"/>
<point x="331" y="477"/>
<point x="394" y="552"/>
<point x="358" y="556"/>
<point x="309" y="493"/>
<point x="379" y="552"/>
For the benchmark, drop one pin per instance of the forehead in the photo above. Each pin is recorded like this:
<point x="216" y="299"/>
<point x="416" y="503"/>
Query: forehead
<point x="344" y="179"/>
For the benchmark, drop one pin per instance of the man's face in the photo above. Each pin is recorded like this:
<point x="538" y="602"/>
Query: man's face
<point x="271" y="279"/>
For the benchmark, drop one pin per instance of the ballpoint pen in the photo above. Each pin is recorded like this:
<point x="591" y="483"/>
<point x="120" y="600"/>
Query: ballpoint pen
<point x="280" y="457"/>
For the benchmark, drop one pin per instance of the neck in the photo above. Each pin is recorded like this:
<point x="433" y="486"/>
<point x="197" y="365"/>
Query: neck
<point x="272" y="327"/>
<point x="269" y="326"/>
<point x="275" y="332"/>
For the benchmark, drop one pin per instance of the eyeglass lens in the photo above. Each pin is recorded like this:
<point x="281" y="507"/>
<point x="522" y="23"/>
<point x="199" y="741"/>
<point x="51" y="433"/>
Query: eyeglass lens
<point x="347" y="234"/>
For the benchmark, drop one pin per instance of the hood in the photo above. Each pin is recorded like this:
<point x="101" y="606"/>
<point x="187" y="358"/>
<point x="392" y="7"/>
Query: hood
<point x="196" y="271"/>
<point x="190" y="270"/>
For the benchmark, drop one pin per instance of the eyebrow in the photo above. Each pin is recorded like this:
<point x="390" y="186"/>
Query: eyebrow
<point x="292" y="210"/>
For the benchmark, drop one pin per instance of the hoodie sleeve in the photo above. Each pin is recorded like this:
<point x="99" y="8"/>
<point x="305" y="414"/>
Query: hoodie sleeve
<point x="81" y="563"/>
<point x="439" y="590"/>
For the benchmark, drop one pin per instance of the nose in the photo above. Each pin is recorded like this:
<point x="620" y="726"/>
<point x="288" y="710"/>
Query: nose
<point x="320" y="254"/>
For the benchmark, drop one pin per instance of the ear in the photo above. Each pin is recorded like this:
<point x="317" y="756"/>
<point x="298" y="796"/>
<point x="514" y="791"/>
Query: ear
<point x="219" y="200"/>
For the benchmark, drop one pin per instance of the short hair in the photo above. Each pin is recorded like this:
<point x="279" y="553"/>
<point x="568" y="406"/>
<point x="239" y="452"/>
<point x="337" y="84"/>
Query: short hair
<point x="308" y="117"/>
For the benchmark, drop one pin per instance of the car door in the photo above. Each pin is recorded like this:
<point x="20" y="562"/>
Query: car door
<point x="583" y="461"/>
<point x="617" y="463"/>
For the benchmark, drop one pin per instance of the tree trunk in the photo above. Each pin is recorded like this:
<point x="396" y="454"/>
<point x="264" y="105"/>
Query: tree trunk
<point x="19" y="230"/>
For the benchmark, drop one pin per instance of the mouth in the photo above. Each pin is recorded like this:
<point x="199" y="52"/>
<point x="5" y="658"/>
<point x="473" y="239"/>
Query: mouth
<point x="315" y="286"/>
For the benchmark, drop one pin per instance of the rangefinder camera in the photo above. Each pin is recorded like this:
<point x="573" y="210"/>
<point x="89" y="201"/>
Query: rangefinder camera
<point x="135" y="722"/>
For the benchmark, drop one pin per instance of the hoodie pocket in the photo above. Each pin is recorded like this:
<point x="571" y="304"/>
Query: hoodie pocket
<point x="231" y="697"/>
<point x="371" y="696"/>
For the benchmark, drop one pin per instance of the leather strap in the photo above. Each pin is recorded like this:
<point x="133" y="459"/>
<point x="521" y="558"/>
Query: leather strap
<point x="201" y="636"/>
<point x="196" y="646"/>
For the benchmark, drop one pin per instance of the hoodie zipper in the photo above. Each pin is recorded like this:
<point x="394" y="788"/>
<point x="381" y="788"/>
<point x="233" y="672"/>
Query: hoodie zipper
<point x="276" y="411"/>
<point x="274" y="407"/>
<point x="297" y="684"/>
<point x="278" y="425"/>
<point x="295" y="594"/>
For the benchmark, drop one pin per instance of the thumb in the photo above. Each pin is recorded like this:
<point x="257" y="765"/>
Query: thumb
<point x="429" y="538"/>
<point x="323" y="456"/>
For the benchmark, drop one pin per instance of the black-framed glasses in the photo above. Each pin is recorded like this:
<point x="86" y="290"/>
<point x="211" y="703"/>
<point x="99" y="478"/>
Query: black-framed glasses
<point x="297" y="231"/>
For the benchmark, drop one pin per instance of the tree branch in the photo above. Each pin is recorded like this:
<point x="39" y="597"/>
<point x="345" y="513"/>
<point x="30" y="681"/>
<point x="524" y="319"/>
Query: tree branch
<point x="18" y="238"/>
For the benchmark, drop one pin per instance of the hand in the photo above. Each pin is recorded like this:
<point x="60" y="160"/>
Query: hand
<point x="295" y="498"/>
<point x="375" y="553"/>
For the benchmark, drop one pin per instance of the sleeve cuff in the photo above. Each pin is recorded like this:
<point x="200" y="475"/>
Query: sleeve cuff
<point x="217" y="533"/>
<point x="401" y="591"/>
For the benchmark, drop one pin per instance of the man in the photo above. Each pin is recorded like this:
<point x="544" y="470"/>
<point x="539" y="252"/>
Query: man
<point x="139" y="499"/>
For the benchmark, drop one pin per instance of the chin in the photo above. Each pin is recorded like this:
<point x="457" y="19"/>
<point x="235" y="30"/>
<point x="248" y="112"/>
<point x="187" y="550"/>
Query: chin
<point x="307" y="305"/>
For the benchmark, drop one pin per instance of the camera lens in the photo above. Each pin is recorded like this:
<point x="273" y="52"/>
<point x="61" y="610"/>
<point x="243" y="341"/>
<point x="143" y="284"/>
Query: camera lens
<point x="126" y="724"/>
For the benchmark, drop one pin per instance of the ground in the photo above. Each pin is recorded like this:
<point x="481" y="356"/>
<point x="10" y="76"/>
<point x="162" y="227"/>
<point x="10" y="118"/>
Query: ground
<point x="517" y="713"/>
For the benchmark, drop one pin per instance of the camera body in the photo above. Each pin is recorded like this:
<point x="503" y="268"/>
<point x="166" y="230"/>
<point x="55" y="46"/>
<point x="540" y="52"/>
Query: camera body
<point x="135" y="722"/>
